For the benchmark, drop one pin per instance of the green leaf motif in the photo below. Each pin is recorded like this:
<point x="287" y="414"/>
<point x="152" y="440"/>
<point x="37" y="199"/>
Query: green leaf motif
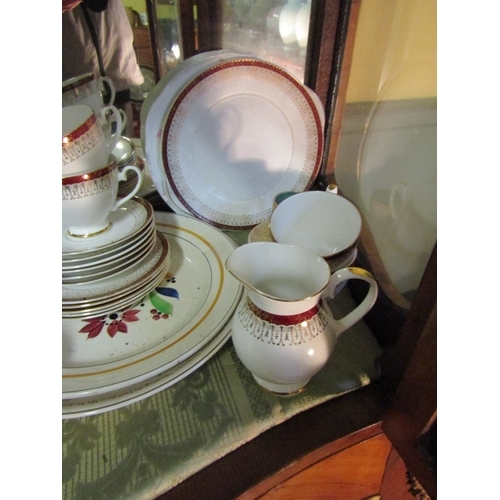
<point x="160" y="304"/>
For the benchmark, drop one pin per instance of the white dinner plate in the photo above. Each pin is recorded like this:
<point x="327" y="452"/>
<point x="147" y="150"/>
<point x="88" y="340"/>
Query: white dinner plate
<point x="130" y="279"/>
<point x="111" y="268"/>
<point x="238" y="134"/>
<point x="155" y="109"/>
<point x="172" y="323"/>
<point x="114" y="255"/>
<point x="117" y="303"/>
<point x="94" y="405"/>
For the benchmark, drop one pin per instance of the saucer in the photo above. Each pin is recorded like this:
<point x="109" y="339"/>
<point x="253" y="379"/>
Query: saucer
<point x="127" y="221"/>
<point x="260" y="232"/>
<point x="108" y="269"/>
<point x="115" y="254"/>
<point x="75" y="296"/>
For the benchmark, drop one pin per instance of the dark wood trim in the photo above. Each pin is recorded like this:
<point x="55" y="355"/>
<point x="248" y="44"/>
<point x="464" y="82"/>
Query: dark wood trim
<point x="311" y="459"/>
<point x="320" y="47"/>
<point x="346" y="420"/>
<point x="188" y="35"/>
<point x="155" y="48"/>
<point x="414" y="408"/>
<point x="397" y="358"/>
<point x="210" y="23"/>
<point x="339" y="90"/>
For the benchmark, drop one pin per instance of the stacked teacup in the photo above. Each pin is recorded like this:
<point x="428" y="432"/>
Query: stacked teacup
<point x="87" y="89"/>
<point x="90" y="173"/>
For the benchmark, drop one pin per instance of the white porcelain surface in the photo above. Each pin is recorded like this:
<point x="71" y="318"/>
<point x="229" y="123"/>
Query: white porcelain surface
<point x="94" y="405"/>
<point x="261" y="232"/>
<point x="87" y="89"/>
<point x="104" y="270"/>
<point x="130" y="221"/>
<point x="86" y="146"/>
<point x="155" y="109"/>
<point x="205" y="296"/>
<point x="302" y="24"/>
<point x="295" y="221"/>
<point x="88" y="199"/>
<point x="113" y="256"/>
<point x="147" y="187"/>
<point x="287" y="21"/>
<point x="229" y="175"/>
<point x="88" y="293"/>
<point x="281" y="330"/>
<point x="124" y="151"/>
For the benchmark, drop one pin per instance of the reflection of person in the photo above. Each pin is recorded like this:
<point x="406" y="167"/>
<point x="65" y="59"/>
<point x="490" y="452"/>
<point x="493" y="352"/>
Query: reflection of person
<point x="114" y="54"/>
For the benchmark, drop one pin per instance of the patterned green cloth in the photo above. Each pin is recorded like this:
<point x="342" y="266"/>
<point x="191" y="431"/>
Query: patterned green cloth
<point x="148" y="447"/>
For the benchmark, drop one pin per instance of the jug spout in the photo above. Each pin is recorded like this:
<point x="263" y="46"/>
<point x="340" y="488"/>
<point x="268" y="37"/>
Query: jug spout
<point x="280" y="330"/>
<point x="280" y="279"/>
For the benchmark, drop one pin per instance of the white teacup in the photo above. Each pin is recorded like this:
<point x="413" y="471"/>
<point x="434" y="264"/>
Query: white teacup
<point x="89" y="198"/>
<point x="87" y="89"/>
<point x="85" y="146"/>
<point x="321" y="221"/>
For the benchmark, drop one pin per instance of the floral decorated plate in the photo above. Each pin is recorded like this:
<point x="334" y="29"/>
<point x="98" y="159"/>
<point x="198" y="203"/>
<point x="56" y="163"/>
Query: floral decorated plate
<point x="189" y="308"/>
<point x="93" y="405"/>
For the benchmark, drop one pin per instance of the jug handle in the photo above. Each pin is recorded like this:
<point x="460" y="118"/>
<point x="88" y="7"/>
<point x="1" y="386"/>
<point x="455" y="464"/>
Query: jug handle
<point x="355" y="315"/>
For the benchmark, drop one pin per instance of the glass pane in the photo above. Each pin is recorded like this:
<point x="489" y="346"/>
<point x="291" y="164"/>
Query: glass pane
<point x="168" y="34"/>
<point x="275" y="30"/>
<point x="387" y="157"/>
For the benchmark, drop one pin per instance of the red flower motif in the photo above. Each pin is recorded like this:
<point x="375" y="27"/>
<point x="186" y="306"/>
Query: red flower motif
<point x="117" y="324"/>
<point x="94" y="327"/>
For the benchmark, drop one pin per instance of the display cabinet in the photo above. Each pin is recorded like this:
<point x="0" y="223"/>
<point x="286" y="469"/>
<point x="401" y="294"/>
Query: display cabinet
<point x="403" y="403"/>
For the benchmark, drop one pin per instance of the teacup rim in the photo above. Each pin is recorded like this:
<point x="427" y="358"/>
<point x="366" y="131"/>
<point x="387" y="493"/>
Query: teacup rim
<point x="77" y="81"/>
<point x="331" y="256"/>
<point x="93" y="174"/>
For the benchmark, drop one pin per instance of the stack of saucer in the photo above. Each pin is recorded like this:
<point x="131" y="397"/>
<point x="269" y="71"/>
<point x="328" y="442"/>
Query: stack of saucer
<point x="118" y="268"/>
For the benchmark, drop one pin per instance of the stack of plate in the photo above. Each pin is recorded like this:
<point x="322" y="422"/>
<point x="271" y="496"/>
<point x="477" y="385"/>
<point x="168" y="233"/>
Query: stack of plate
<point x="116" y="269"/>
<point x="223" y="133"/>
<point x="112" y="359"/>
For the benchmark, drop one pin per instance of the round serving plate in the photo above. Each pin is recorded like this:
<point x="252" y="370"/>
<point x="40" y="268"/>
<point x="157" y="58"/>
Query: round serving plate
<point x="154" y="113"/>
<point x="127" y="221"/>
<point x="226" y="163"/>
<point x="94" y="405"/>
<point x="180" y="316"/>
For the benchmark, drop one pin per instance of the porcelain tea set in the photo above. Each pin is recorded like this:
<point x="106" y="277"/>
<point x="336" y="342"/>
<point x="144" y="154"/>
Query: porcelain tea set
<point x="112" y="254"/>
<point x="91" y="131"/>
<point x="283" y="329"/>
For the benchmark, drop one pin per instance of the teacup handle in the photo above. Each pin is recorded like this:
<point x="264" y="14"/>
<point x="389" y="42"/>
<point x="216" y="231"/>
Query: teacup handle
<point x="116" y="118"/>
<point x="111" y="88"/>
<point x="122" y="176"/>
<point x="124" y="120"/>
<point x="355" y="315"/>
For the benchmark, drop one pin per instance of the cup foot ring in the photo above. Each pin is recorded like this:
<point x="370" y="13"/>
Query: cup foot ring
<point x="91" y="233"/>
